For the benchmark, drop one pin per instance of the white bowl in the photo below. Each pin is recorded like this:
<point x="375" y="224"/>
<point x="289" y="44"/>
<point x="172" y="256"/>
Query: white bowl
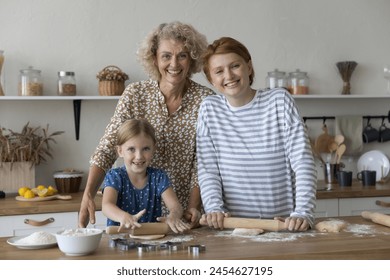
<point x="79" y="242"/>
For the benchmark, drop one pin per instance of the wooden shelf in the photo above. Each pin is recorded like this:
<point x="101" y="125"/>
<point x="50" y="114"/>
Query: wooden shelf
<point x="333" y="96"/>
<point x="76" y="103"/>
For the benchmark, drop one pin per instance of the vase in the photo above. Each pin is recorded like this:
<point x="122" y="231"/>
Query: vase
<point x="16" y="175"/>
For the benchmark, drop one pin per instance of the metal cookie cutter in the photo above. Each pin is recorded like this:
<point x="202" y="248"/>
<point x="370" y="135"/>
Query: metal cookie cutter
<point x="125" y="244"/>
<point x="196" y="249"/>
<point x="146" y="248"/>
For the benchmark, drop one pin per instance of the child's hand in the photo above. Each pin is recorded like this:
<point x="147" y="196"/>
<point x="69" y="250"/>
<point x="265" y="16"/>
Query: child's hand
<point x="176" y="224"/>
<point x="131" y="221"/>
<point x="192" y="215"/>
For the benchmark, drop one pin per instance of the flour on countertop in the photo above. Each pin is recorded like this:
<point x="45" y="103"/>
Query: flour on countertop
<point x="37" y="238"/>
<point x="271" y="236"/>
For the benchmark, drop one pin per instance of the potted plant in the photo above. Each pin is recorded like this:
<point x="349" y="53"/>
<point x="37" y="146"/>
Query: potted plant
<point x="20" y="152"/>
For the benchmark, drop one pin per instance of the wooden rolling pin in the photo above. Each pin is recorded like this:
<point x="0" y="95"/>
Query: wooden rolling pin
<point x="145" y="229"/>
<point x="269" y="225"/>
<point x="377" y="218"/>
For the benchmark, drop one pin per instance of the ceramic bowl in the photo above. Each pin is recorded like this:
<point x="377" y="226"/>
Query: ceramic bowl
<point x="79" y="242"/>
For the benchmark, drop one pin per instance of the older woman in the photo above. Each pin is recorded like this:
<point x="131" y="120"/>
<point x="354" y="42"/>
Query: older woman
<point x="170" y="101"/>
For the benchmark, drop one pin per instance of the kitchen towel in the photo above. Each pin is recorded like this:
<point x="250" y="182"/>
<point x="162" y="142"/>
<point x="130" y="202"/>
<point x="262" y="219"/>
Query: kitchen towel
<point x="351" y="127"/>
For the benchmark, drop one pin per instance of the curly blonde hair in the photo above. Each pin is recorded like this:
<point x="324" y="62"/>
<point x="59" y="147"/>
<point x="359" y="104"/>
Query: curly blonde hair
<point x="194" y="42"/>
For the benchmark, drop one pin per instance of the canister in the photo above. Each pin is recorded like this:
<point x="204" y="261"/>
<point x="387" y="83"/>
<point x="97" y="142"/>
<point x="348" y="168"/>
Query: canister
<point x="66" y="83"/>
<point x="276" y="79"/>
<point x="30" y="82"/>
<point x="298" y="82"/>
<point x="2" y="87"/>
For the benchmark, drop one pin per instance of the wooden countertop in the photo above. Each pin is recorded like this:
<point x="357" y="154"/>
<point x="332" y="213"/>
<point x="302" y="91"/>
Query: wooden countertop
<point x="10" y="206"/>
<point x="361" y="240"/>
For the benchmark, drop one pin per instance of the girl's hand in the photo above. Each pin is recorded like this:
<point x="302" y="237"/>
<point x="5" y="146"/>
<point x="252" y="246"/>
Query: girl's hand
<point x="294" y="223"/>
<point x="213" y="219"/>
<point x="176" y="224"/>
<point x="131" y="221"/>
<point x="192" y="215"/>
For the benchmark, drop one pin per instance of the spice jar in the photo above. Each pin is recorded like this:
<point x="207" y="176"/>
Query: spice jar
<point x="298" y="82"/>
<point x="30" y="82"/>
<point x="1" y="73"/>
<point x="66" y="83"/>
<point x="276" y="79"/>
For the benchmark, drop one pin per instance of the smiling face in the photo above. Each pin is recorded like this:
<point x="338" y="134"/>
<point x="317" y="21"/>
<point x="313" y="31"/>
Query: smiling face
<point x="137" y="153"/>
<point x="229" y="74"/>
<point x="173" y="61"/>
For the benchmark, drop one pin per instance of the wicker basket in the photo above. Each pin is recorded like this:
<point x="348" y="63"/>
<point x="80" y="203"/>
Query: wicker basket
<point x="111" y="80"/>
<point x="111" y="87"/>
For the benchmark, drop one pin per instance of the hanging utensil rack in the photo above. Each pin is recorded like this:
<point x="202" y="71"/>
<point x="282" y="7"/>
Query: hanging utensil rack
<point x="325" y="118"/>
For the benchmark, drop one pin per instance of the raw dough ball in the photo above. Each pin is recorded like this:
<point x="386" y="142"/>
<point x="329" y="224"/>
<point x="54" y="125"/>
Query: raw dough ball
<point x="247" y="231"/>
<point x="331" y="226"/>
<point x="147" y="237"/>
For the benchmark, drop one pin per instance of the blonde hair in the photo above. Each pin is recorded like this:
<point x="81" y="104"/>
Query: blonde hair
<point x="193" y="41"/>
<point x="132" y="128"/>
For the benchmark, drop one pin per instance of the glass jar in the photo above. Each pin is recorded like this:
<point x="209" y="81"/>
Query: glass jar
<point x="2" y="88"/>
<point x="298" y="82"/>
<point x="66" y="83"/>
<point x="30" y="82"/>
<point x="276" y="79"/>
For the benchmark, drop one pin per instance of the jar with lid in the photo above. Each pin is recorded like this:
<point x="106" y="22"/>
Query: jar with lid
<point x="276" y="79"/>
<point x="66" y="83"/>
<point x="1" y="73"/>
<point x="298" y="82"/>
<point x="30" y="82"/>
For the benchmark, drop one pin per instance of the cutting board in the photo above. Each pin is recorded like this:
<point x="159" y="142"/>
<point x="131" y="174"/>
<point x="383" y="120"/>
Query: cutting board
<point x="46" y="198"/>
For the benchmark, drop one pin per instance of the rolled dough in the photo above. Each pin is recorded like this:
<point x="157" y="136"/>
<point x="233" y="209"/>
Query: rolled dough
<point x="247" y="231"/>
<point x="148" y="237"/>
<point x="331" y="226"/>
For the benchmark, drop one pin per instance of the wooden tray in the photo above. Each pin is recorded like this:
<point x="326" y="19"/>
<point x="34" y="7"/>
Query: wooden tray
<point x="52" y="197"/>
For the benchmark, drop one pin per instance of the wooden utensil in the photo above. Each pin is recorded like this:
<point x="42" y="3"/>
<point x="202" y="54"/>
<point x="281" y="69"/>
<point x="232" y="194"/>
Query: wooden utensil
<point x="249" y="223"/>
<point x="145" y="229"/>
<point x="46" y="198"/>
<point x="339" y="153"/>
<point x="377" y="218"/>
<point x="339" y="139"/>
<point x="316" y="153"/>
<point x="332" y="146"/>
<point x="323" y="140"/>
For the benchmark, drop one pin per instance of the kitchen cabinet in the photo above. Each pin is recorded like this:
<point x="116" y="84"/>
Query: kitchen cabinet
<point x="336" y="207"/>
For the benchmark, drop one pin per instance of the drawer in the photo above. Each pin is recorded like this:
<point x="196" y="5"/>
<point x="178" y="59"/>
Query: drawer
<point x="327" y="208"/>
<point x="355" y="206"/>
<point x="16" y="226"/>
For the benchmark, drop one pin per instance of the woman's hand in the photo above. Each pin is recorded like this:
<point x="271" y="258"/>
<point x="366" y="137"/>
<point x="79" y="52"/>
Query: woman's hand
<point x="176" y="224"/>
<point x="192" y="216"/>
<point x="130" y="221"/>
<point x="213" y="219"/>
<point x="294" y="223"/>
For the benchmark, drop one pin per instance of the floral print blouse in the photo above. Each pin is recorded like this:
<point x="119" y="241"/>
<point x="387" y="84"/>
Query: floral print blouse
<point x="176" y="133"/>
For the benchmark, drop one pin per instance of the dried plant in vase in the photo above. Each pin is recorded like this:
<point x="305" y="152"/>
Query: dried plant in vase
<point x="30" y="145"/>
<point x="346" y="69"/>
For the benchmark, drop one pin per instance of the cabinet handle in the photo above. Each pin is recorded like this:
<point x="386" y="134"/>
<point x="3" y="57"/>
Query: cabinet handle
<point x="39" y="223"/>
<point x="382" y="203"/>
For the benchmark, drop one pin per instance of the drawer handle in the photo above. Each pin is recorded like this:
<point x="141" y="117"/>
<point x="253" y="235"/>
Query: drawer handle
<point x="382" y="203"/>
<point x="39" y="223"/>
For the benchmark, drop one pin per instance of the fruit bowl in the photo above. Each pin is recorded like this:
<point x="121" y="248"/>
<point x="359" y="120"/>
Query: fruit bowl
<point x="79" y="242"/>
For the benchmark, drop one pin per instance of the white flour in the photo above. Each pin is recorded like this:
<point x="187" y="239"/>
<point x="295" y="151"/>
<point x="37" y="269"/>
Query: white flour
<point x="37" y="238"/>
<point x="270" y="236"/>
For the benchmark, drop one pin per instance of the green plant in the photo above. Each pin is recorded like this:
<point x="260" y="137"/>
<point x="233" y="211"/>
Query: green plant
<point x="31" y="144"/>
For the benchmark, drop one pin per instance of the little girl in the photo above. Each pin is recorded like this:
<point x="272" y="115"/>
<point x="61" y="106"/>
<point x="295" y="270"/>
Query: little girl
<point x="132" y="193"/>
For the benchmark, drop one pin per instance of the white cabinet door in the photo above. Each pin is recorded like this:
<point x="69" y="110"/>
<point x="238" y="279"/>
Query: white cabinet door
<point x="355" y="206"/>
<point x="16" y="225"/>
<point x="327" y="208"/>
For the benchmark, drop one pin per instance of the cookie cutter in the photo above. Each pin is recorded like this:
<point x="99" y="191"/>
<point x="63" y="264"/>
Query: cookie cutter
<point x="196" y="249"/>
<point x="141" y="248"/>
<point x="126" y="244"/>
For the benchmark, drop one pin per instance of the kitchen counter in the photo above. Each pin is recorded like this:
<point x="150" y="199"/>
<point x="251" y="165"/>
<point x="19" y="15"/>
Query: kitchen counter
<point x="361" y="240"/>
<point x="10" y="206"/>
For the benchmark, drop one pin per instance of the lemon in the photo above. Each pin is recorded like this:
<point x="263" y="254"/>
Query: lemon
<point x="43" y="192"/>
<point x="22" y="190"/>
<point x="34" y="190"/>
<point x="29" y="194"/>
<point x="51" y="190"/>
<point x="41" y="187"/>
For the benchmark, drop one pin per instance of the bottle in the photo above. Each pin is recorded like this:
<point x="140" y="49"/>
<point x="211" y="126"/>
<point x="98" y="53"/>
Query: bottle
<point x="2" y="88"/>
<point x="298" y="82"/>
<point x="276" y="79"/>
<point x="66" y="83"/>
<point x="30" y="82"/>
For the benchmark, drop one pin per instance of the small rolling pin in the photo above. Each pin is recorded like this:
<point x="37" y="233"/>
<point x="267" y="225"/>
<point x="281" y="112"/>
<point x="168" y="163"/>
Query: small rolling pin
<point x="377" y="218"/>
<point x="269" y="225"/>
<point x="145" y="229"/>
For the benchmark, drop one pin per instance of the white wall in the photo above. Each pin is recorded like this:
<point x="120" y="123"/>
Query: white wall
<point x="86" y="35"/>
